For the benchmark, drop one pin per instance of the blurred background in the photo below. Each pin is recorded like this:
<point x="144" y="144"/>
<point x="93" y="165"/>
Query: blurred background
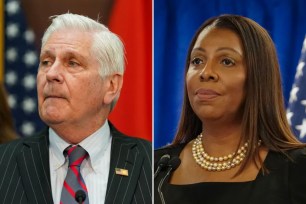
<point x="23" y="23"/>
<point x="175" y="22"/>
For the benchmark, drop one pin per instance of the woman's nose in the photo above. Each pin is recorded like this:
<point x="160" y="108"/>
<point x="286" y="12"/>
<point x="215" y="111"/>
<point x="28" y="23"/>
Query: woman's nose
<point x="208" y="73"/>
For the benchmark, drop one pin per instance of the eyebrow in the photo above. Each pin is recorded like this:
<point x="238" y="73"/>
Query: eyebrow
<point x="66" y="54"/>
<point x="219" y="49"/>
<point x="46" y="52"/>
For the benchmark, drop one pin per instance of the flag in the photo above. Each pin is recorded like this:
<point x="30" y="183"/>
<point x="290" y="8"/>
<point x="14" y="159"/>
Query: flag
<point x="122" y="172"/>
<point x="133" y="23"/>
<point x="21" y="63"/>
<point x="296" y="112"/>
<point x="1" y="41"/>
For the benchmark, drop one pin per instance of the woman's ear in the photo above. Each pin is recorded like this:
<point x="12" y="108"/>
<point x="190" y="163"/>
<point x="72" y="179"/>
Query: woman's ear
<point x="114" y="85"/>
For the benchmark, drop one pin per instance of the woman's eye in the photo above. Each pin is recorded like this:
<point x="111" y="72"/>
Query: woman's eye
<point x="227" y="62"/>
<point x="196" y="61"/>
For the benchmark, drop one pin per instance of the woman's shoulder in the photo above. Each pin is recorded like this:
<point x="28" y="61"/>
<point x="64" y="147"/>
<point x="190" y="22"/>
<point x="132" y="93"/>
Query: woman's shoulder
<point x="298" y="158"/>
<point x="299" y="153"/>
<point x="292" y="156"/>
<point x="297" y="175"/>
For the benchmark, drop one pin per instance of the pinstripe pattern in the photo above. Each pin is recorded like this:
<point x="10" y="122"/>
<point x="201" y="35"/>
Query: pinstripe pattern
<point x="25" y="175"/>
<point x="23" y="166"/>
<point x="135" y="156"/>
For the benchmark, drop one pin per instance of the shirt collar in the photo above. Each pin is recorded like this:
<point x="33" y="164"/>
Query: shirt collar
<point x="95" y="144"/>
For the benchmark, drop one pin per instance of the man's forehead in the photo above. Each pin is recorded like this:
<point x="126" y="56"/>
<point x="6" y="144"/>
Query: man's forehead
<point x="74" y="37"/>
<point x="66" y="46"/>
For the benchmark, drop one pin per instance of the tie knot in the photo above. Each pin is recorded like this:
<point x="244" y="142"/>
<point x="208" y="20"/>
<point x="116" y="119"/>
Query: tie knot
<point x="76" y="155"/>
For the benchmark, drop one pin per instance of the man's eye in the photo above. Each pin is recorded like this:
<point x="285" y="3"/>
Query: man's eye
<point x="45" y="63"/>
<point x="227" y="62"/>
<point x="73" y="64"/>
<point x="196" y="61"/>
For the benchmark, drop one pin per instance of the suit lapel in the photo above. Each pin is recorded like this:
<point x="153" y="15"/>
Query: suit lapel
<point x="124" y="155"/>
<point x="33" y="164"/>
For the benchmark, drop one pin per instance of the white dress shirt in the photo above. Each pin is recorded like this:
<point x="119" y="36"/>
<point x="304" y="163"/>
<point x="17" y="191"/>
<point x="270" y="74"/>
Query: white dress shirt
<point x="94" y="169"/>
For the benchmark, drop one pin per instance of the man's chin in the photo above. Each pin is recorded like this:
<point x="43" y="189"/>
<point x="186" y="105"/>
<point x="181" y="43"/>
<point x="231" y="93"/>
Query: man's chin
<point x="51" y="119"/>
<point x="51" y="114"/>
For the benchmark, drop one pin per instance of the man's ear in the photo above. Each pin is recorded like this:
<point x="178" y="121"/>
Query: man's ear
<point x="114" y="85"/>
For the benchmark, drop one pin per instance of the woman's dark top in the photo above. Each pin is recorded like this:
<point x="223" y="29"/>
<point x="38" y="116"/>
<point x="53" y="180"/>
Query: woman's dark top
<point x="285" y="183"/>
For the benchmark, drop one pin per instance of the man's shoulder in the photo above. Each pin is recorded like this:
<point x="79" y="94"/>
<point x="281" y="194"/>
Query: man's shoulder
<point x="11" y="145"/>
<point x="140" y="143"/>
<point x="126" y="139"/>
<point x="10" y="150"/>
<point x="137" y="140"/>
<point x="18" y="145"/>
<point x="123" y="143"/>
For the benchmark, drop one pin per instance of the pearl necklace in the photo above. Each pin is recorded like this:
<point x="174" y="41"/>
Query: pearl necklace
<point x="210" y="163"/>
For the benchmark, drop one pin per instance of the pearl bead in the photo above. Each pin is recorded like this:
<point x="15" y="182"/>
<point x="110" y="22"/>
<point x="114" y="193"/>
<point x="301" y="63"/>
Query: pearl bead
<point x="222" y="163"/>
<point x="211" y="163"/>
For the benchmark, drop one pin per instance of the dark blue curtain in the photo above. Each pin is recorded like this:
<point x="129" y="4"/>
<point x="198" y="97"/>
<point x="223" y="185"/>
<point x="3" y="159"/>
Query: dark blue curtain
<point x="175" y="22"/>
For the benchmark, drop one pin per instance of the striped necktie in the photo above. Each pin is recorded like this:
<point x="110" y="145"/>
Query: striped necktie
<point x="74" y="180"/>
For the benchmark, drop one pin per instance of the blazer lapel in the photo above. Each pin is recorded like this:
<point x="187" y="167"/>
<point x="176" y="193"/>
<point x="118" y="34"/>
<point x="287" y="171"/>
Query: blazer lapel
<point x="33" y="164"/>
<point x="120" y="188"/>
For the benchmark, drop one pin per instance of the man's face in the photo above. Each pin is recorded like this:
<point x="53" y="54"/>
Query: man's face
<point x="70" y="89"/>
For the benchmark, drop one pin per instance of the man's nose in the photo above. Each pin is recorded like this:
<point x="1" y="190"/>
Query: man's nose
<point x="55" y="73"/>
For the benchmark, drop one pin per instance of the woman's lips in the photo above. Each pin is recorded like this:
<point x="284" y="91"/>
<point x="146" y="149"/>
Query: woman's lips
<point x="206" y="94"/>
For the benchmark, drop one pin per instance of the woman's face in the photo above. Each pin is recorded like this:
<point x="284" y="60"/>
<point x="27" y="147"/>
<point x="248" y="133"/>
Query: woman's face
<point x="216" y="75"/>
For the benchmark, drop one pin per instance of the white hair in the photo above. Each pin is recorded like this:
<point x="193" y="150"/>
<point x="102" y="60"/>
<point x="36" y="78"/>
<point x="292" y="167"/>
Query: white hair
<point x="106" y="45"/>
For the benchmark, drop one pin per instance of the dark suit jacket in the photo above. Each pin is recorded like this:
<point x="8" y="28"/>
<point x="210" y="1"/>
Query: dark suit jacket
<point x="25" y="174"/>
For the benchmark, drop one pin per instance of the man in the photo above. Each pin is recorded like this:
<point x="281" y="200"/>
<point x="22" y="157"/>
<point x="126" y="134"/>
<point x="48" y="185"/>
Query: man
<point x="79" y="80"/>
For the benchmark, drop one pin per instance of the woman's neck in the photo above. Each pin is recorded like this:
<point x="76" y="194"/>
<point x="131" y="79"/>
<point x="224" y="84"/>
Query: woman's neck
<point x="219" y="140"/>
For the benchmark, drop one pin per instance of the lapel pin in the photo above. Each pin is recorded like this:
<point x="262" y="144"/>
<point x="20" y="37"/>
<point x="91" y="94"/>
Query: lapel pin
<point x="122" y="172"/>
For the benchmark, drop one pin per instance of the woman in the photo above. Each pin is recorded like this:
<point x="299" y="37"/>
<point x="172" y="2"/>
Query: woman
<point x="7" y="132"/>
<point x="233" y="139"/>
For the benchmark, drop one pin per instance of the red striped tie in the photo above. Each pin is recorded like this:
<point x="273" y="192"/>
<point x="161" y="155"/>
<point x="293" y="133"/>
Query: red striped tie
<point x="74" y="180"/>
